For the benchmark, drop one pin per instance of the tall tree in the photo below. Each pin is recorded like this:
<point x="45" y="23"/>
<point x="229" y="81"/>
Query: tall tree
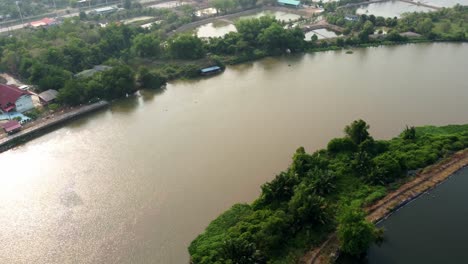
<point x="357" y="131"/>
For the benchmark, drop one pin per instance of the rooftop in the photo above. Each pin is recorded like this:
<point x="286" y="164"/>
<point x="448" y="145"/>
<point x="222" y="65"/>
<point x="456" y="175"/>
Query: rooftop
<point x="43" y="22"/>
<point x="105" y="9"/>
<point x="11" y="126"/>
<point x="48" y="95"/>
<point x="290" y="2"/>
<point x="410" y="34"/>
<point x="90" y="72"/>
<point x="210" y="69"/>
<point x="8" y="96"/>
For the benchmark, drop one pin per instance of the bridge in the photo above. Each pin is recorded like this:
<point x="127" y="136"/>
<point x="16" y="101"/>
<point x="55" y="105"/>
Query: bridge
<point x="421" y="4"/>
<point x="322" y="24"/>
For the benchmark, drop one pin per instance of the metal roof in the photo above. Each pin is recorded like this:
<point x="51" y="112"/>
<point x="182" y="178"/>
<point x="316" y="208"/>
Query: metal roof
<point x="48" y="95"/>
<point x="105" y="9"/>
<point x="290" y="2"/>
<point x="11" y="125"/>
<point x="209" y="69"/>
<point x="9" y="94"/>
<point x="90" y="72"/>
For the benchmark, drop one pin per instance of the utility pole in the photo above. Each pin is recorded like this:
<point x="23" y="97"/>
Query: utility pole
<point x="55" y="8"/>
<point x="19" y="10"/>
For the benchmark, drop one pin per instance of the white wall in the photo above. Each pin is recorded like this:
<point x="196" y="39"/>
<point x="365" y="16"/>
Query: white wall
<point x="24" y="103"/>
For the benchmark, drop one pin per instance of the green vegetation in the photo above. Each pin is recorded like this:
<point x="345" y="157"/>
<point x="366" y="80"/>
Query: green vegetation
<point x="9" y="9"/>
<point x="354" y="232"/>
<point x="446" y="24"/>
<point x="323" y="192"/>
<point x="51" y="57"/>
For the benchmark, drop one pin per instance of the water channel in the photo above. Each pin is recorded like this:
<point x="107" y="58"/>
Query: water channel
<point x="431" y="229"/>
<point x="137" y="182"/>
<point x="221" y="28"/>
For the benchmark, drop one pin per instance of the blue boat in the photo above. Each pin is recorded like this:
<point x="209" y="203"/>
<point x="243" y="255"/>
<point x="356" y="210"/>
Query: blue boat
<point x="211" y="70"/>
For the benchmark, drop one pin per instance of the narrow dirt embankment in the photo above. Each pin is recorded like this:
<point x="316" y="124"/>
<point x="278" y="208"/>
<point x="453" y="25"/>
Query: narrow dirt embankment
<point x="429" y="178"/>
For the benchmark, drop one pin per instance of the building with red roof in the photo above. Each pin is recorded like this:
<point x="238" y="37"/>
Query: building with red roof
<point x="11" y="127"/>
<point x="45" y="22"/>
<point x="13" y="98"/>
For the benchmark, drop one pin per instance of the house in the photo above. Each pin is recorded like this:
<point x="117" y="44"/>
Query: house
<point x="11" y="126"/>
<point x="289" y="3"/>
<point x="45" y="22"/>
<point x="14" y="99"/>
<point x="48" y="96"/>
<point x="351" y="17"/>
<point x="210" y="70"/>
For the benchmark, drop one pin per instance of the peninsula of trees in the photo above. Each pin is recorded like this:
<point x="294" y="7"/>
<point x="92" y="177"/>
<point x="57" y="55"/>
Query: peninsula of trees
<point x="324" y="192"/>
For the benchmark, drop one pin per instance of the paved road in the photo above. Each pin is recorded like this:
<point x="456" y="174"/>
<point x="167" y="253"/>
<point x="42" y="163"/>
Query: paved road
<point x="59" y="13"/>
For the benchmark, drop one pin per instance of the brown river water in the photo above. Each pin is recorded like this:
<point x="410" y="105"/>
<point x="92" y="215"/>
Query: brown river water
<point x="137" y="182"/>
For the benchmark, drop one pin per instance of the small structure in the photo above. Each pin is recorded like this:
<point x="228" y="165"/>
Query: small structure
<point x="351" y="17"/>
<point x="410" y="34"/>
<point x="210" y="70"/>
<point x="24" y="87"/>
<point x="11" y="126"/>
<point x="290" y="3"/>
<point x="82" y="3"/>
<point x="13" y="98"/>
<point x="90" y="72"/>
<point x="48" y="96"/>
<point x="104" y="10"/>
<point x="45" y="22"/>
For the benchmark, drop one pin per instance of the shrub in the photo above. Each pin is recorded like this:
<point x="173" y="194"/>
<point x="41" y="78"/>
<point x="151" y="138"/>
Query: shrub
<point x="337" y="145"/>
<point x="53" y="107"/>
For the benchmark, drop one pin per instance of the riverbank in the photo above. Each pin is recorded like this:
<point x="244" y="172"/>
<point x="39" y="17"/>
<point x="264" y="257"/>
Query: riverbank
<point x="47" y="123"/>
<point x="428" y="179"/>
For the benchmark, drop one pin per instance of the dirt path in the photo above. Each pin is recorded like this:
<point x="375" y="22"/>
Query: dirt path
<point x="428" y="179"/>
<point x="424" y="181"/>
<point x="10" y="80"/>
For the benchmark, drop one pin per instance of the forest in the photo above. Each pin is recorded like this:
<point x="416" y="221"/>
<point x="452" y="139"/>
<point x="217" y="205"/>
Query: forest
<point x="324" y="192"/>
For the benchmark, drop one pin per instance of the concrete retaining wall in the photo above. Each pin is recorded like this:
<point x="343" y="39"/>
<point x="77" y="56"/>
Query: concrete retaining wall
<point x="29" y="133"/>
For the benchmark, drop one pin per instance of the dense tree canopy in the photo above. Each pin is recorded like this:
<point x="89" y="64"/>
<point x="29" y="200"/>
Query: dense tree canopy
<point x="145" y="45"/>
<point x="321" y="193"/>
<point x="186" y="47"/>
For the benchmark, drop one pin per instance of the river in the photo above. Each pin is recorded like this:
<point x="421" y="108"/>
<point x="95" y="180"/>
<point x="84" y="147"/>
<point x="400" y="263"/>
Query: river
<point x="136" y="183"/>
